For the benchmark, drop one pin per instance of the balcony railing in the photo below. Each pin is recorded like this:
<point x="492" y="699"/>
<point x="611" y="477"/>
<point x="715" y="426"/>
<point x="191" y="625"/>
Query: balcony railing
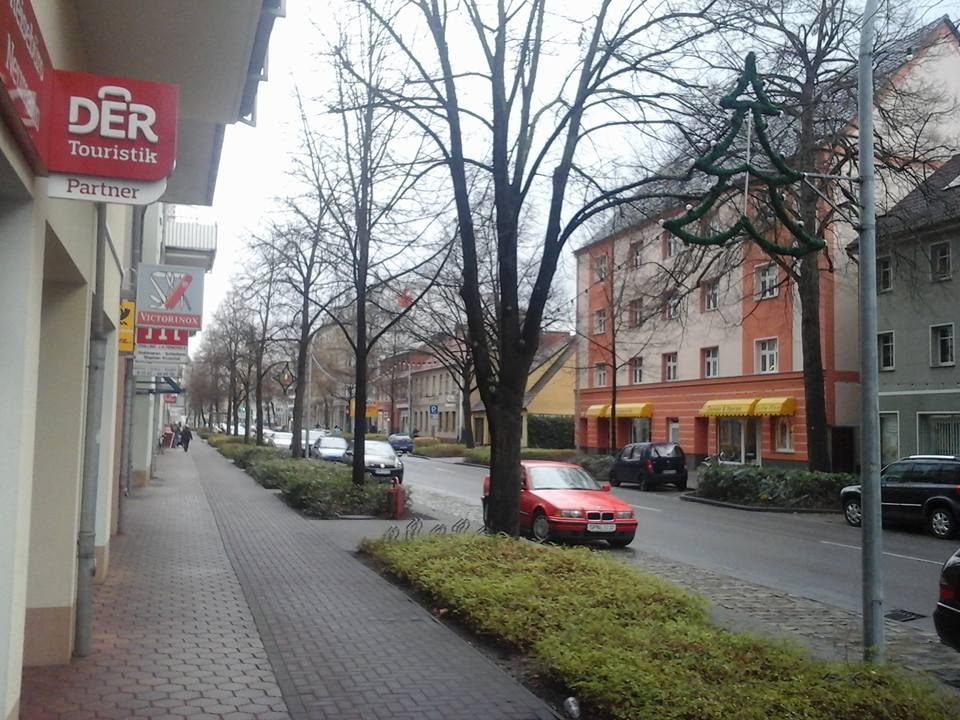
<point x="190" y="242"/>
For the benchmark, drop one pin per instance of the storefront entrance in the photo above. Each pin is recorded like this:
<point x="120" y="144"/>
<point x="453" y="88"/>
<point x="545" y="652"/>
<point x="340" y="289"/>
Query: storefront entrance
<point x="738" y="440"/>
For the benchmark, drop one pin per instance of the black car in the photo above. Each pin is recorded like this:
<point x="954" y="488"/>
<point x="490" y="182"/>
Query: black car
<point x="650" y="464"/>
<point x="381" y="461"/>
<point x="920" y="489"/>
<point x="946" y="617"/>
<point x="401" y="443"/>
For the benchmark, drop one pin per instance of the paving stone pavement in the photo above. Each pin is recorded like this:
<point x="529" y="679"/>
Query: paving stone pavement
<point x="826" y="630"/>
<point x="343" y="642"/>
<point x="173" y="635"/>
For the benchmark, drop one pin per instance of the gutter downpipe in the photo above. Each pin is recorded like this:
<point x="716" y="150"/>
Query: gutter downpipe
<point x="872" y="557"/>
<point x="86" y="538"/>
<point x="129" y="383"/>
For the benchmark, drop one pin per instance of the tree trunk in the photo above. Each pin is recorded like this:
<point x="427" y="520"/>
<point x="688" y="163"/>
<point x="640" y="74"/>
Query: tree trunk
<point x="258" y="397"/>
<point x="303" y="347"/>
<point x="466" y="431"/>
<point x="246" y="409"/>
<point x="506" y="425"/>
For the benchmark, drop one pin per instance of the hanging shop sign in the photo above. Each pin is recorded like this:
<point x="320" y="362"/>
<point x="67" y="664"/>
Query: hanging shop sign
<point x="111" y="139"/>
<point x="169" y="296"/>
<point x="125" y="332"/>
<point x="25" y="74"/>
<point x="160" y="355"/>
<point x="162" y="336"/>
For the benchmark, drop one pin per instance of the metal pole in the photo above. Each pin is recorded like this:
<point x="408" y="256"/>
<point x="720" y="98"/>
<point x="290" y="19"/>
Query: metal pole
<point x="409" y="398"/>
<point x="873" y="629"/>
<point x="309" y="394"/>
<point x="86" y="537"/>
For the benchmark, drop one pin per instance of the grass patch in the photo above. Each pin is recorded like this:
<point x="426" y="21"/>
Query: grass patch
<point x="631" y="645"/>
<point x="443" y="450"/>
<point x="481" y="455"/>
<point x="774" y="487"/>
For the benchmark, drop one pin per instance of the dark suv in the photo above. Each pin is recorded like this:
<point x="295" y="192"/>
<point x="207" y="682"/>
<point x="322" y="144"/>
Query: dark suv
<point x="650" y="464"/>
<point x="920" y="489"/>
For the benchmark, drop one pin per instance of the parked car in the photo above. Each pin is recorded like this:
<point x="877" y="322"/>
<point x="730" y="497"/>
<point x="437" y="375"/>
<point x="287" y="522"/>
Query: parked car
<point x="562" y="501"/>
<point x="649" y="464"/>
<point x="920" y="489"/>
<point x="401" y="443"/>
<point x="281" y="439"/>
<point x="329" y="448"/>
<point x="380" y="460"/>
<point x="946" y="618"/>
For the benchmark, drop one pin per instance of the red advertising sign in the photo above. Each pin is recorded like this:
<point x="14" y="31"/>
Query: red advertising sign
<point x="111" y="127"/>
<point x="162" y="336"/>
<point x="25" y="74"/>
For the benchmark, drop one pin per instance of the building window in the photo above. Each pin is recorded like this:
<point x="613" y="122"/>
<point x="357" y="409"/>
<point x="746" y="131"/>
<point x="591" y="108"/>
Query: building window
<point x="636" y="370"/>
<point x="940" y="261"/>
<point x="671" y="308"/>
<point x="672" y="245"/>
<point x="636" y="313"/>
<point x="767" y="355"/>
<point x="784" y="434"/>
<point x="889" y="438"/>
<point x="939" y="434"/>
<point x="941" y="345"/>
<point x="600" y="267"/>
<point x="599" y="322"/>
<point x="884" y="274"/>
<point x="600" y="375"/>
<point x="670" y="366"/>
<point x="711" y="296"/>
<point x="640" y="430"/>
<point x="766" y="282"/>
<point x="711" y="362"/>
<point x="636" y="255"/>
<point x="885" y="354"/>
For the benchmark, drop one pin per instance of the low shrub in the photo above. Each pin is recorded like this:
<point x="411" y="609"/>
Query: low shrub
<point x="277" y="472"/>
<point x="597" y="465"/>
<point x="481" y="455"/>
<point x="773" y="487"/>
<point x="443" y="450"/>
<point x="422" y="442"/>
<point x="217" y="439"/>
<point x="630" y="645"/>
<point x="245" y="454"/>
<point x="550" y="431"/>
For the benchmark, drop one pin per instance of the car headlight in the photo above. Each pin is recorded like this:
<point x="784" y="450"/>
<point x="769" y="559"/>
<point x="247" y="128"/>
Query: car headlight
<point x="624" y="514"/>
<point x="571" y="513"/>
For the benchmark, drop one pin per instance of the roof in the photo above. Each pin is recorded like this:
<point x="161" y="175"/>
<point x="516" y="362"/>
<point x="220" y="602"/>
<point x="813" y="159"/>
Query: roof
<point x="555" y="348"/>
<point x="935" y="203"/>
<point x="681" y="181"/>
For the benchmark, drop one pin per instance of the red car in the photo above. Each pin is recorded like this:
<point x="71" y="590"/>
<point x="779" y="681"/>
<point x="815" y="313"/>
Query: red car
<point x="560" y="501"/>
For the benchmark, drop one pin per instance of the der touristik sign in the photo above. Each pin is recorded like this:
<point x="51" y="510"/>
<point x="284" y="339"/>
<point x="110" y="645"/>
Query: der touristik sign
<point x="98" y="138"/>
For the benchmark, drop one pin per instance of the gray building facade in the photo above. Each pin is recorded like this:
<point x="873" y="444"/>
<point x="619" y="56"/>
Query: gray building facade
<point x="918" y="303"/>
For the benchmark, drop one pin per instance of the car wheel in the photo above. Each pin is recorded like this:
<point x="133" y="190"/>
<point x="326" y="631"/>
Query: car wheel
<point x="941" y="523"/>
<point x="540" y="528"/>
<point x="682" y="485"/>
<point x="621" y="542"/>
<point x="852" y="511"/>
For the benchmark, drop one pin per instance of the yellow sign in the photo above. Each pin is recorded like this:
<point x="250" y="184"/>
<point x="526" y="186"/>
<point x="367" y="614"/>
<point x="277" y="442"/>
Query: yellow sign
<point x="125" y="333"/>
<point x="372" y="410"/>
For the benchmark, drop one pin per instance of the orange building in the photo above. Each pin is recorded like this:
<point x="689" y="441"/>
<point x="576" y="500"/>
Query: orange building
<point x="704" y="348"/>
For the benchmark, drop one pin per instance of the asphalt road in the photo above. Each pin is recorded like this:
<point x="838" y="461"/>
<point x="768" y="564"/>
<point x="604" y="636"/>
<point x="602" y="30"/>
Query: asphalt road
<point x="814" y="556"/>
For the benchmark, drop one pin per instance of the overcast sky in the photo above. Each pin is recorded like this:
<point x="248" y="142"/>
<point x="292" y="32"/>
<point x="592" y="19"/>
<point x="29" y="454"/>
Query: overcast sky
<point x="255" y="160"/>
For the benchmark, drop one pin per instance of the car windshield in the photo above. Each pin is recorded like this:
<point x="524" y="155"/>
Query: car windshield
<point x="399" y="437"/>
<point x="378" y="448"/>
<point x="560" y="477"/>
<point x="333" y="443"/>
<point x="666" y="450"/>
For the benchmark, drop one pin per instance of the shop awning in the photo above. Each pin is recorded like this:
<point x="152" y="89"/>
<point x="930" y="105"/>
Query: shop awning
<point x="598" y="411"/>
<point x="775" y="406"/>
<point x="735" y="407"/>
<point x="633" y="410"/>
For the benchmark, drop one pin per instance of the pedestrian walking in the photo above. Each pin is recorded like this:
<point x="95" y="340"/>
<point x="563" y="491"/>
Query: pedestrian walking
<point x="185" y="437"/>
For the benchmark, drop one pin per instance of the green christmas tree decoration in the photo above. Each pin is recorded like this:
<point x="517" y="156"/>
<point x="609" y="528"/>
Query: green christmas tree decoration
<point x="774" y="180"/>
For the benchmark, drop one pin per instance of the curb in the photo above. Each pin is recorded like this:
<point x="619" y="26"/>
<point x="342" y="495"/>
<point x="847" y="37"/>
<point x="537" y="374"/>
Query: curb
<point x="690" y="497"/>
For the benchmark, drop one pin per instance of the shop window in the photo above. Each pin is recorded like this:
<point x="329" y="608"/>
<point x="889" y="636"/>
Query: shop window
<point x="884" y="274"/>
<point x="640" y="430"/>
<point x="767" y="355"/>
<point x="599" y="322"/>
<point x="670" y="369"/>
<point x="885" y="352"/>
<point x="940" y="263"/>
<point x="711" y="362"/>
<point x="941" y="345"/>
<point x="939" y="434"/>
<point x="636" y="370"/>
<point x="784" y="428"/>
<point x="730" y="440"/>
<point x="766" y="282"/>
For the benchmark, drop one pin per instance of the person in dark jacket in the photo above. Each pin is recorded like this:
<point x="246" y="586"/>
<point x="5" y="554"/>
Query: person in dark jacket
<point x="185" y="437"/>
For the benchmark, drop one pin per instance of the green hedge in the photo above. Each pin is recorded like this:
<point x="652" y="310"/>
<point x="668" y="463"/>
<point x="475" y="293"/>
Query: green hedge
<point x="217" y="439"/>
<point x="322" y="489"/>
<point x="422" y="442"/>
<point x="481" y="455"/>
<point x="597" y="465"/>
<point x="443" y="450"/>
<point x="550" y="431"/>
<point x="630" y="645"/>
<point x="243" y="455"/>
<point x="773" y="487"/>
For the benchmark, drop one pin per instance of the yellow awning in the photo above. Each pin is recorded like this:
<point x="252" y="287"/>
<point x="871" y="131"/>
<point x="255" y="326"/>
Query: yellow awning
<point x="633" y="410"/>
<point x="775" y="406"/>
<point x="728" y="408"/>
<point x="598" y="411"/>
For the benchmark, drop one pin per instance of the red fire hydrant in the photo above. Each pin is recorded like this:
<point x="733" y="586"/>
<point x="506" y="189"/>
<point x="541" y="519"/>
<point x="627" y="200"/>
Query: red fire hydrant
<point x="396" y="500"/>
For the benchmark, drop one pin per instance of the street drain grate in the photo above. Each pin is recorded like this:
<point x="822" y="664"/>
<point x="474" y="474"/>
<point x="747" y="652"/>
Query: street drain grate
<point x="903" y="615"/>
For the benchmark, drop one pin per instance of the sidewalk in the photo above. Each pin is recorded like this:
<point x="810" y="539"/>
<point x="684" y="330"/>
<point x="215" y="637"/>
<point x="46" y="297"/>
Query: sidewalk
<point x="224" y="603"/>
